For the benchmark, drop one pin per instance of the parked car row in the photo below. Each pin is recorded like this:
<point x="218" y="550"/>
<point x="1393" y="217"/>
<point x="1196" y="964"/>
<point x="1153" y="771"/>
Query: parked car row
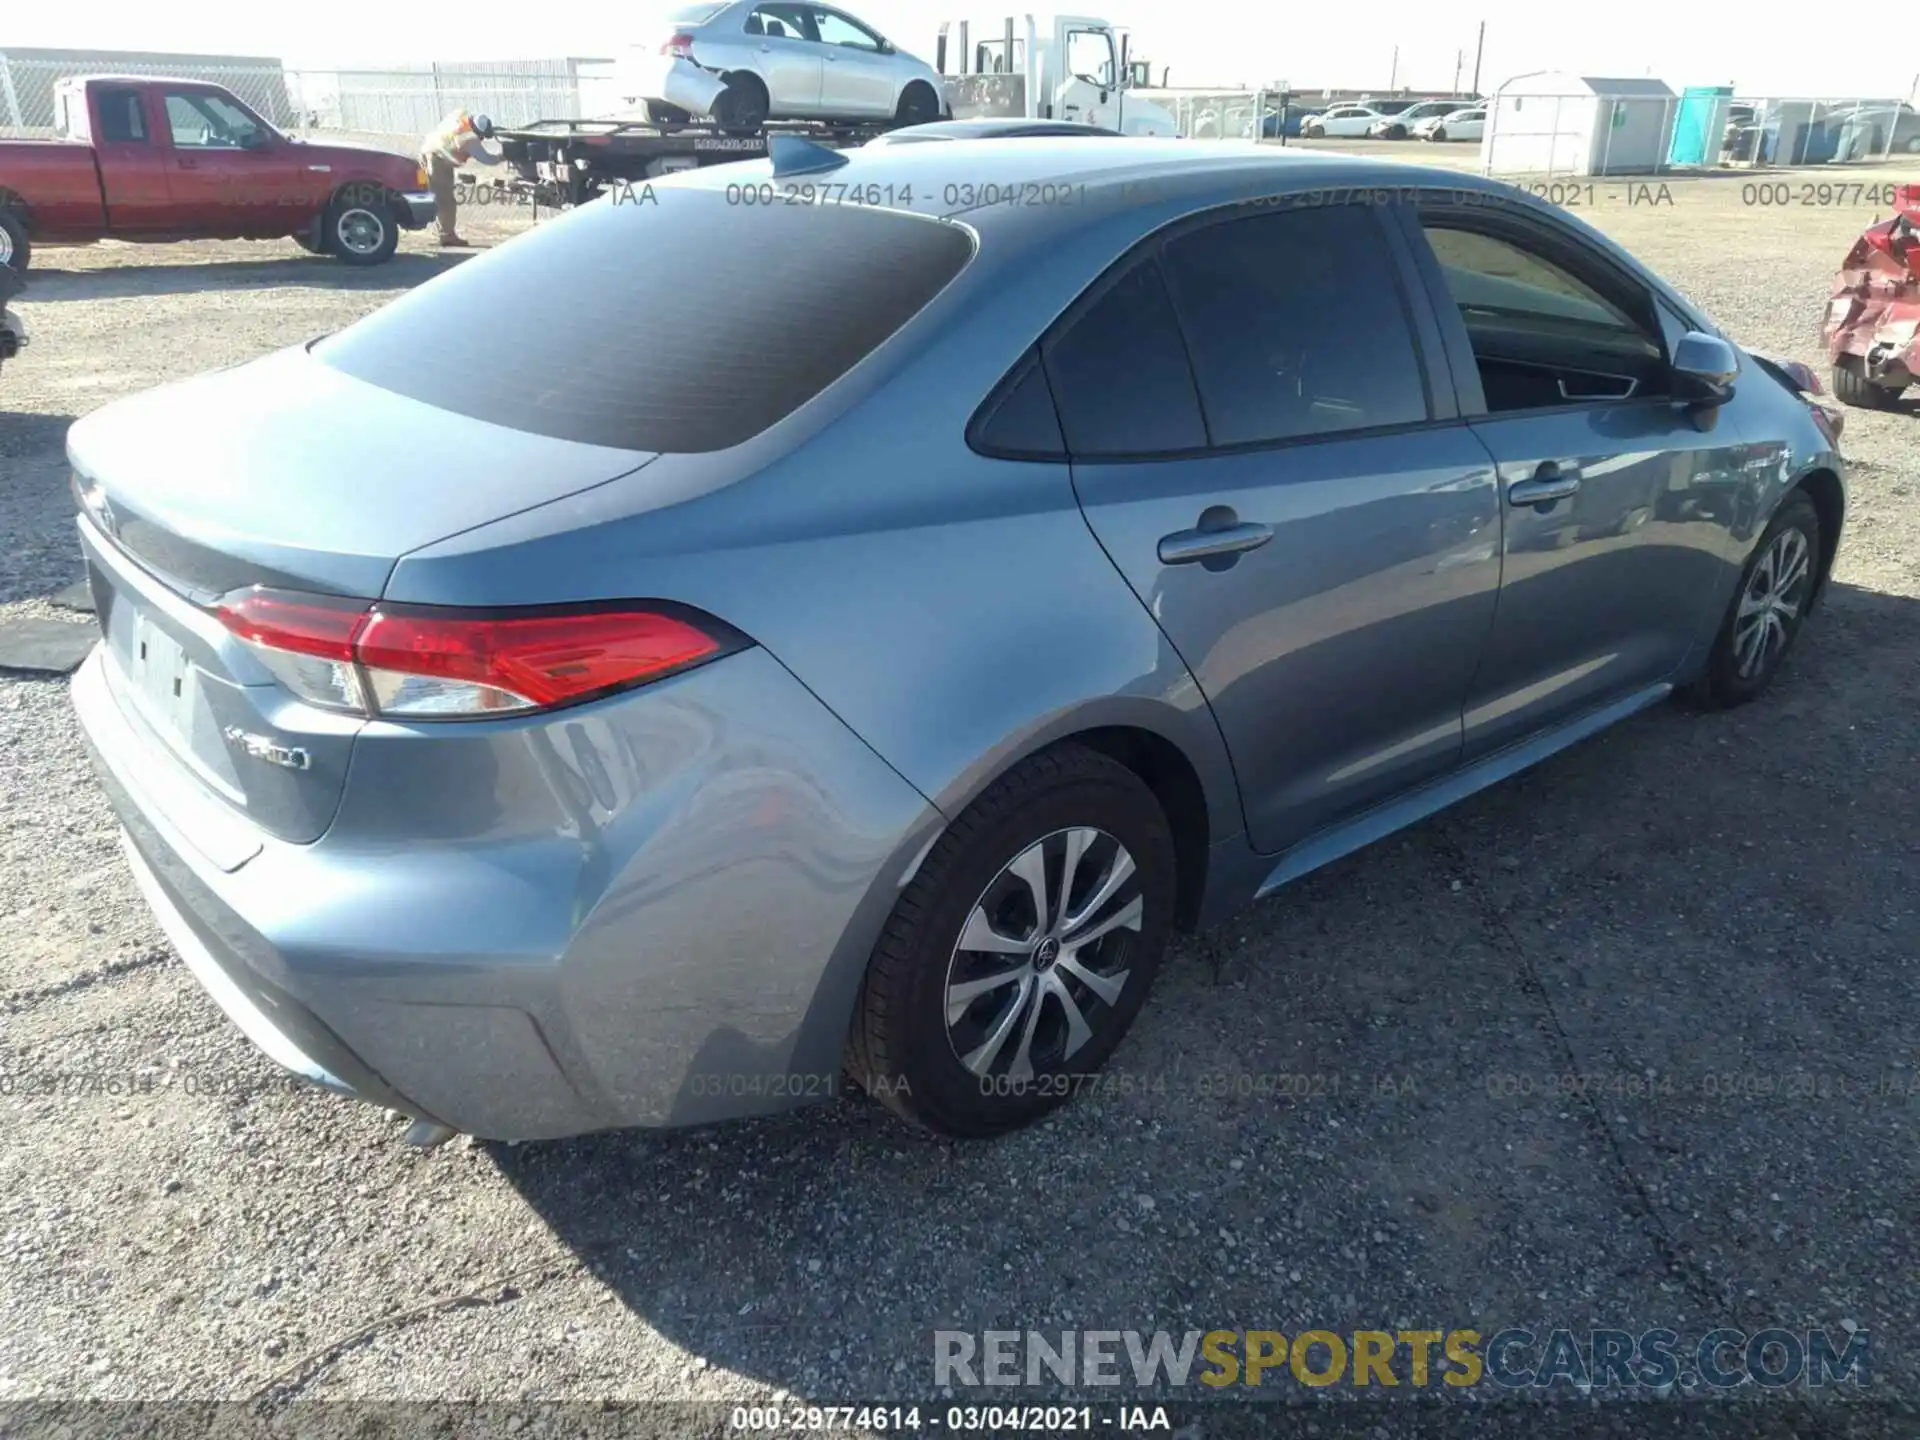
<point x="1437" y="120"/>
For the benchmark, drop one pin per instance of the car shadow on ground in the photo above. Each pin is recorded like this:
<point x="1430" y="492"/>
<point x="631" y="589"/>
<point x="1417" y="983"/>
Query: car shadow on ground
<point x="40" y="555"/>
<point x="1595" y="1048"/>
<point x="402" y="272"/>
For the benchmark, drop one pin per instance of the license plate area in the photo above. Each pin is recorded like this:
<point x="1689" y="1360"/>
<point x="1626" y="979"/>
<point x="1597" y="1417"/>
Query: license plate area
<point x="163" y="680"/>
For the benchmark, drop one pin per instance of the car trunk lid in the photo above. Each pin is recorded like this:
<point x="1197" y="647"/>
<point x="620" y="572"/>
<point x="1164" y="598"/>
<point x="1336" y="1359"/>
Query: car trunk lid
<point x="289" y="474"/>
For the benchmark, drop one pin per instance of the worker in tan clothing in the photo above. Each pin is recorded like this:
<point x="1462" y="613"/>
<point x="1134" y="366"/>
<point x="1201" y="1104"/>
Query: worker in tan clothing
<point x="460" y="139"/>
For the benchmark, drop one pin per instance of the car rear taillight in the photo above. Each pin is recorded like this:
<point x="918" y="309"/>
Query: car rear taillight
<point x="436" y="663"/>
<point x="681" y="44"/>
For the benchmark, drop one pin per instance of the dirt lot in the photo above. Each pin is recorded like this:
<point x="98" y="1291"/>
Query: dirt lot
<point x="1716" y="912"/>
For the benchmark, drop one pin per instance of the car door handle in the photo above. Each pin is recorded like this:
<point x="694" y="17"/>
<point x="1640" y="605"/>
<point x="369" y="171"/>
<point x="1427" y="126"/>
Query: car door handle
<point x="1186" y="547"/>
<point x="188" y="164"/>
<point x="1549" y="483"/>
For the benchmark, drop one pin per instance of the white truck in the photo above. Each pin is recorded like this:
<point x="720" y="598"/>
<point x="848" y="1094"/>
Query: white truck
<point x="1045" y="67"/>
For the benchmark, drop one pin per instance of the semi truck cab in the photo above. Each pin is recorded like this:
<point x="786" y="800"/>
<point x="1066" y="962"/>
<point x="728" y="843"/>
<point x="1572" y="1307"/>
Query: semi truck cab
<point x="1044" y="67"/>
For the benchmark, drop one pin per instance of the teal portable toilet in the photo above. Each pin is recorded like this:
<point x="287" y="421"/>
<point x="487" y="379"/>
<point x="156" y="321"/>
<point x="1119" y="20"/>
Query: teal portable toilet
<point x="1699" y="125"/>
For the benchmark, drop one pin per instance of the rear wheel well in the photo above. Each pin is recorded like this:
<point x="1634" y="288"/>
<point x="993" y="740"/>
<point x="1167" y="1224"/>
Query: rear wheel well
<point x="1176" y="785"/>
<point x="1823" y="488"/>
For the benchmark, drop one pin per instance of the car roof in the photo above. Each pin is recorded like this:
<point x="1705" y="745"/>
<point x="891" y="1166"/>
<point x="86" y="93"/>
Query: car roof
<point x="991" y="127"/>
<point x="107" y="77"/>
<point x="991" y="180"/>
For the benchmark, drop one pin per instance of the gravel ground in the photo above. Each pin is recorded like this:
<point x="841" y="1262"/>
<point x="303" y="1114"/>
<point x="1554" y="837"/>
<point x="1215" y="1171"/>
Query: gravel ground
<point x="1725" y="903"/>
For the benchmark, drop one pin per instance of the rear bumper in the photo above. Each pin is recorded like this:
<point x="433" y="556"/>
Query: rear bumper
<point x="677" y="82"/>
<point x="415" y="209"/>
<point x="651" y="911"/>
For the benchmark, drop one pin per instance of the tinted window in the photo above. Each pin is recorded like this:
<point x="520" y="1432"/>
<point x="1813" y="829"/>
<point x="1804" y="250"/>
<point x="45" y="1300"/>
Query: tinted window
<point x="1019" y="422"/>
<point x="1295" y="324"/>
<point x="1120" y="374"/>
<point x="681" y="324"/>
<point x="120" y="117"/>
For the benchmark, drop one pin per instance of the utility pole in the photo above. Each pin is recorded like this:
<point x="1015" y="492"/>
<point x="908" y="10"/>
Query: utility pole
<point x="1459" y="59"/>
<point x="1478" y="46"/>
<point x="1394" y="75"/>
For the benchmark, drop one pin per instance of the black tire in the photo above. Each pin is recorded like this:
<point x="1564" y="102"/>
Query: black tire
<point x="1439" y="132"/>
<point x="741" y="108"/>
<point x="14" y="243"/>
<point x="1313" y="132"/>
<point x="918" y="105"/>
<point x="666" y="116"/>
<point x="900" y="1048"/>
<point x="361" y="228"/>
<point x="1852" y="387"/>
<point x="1912" y="147"/>
<point x="1723" y="685"/>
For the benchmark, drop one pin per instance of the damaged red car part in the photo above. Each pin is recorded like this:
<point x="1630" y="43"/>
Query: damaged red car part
<point x="1872" y="328"/>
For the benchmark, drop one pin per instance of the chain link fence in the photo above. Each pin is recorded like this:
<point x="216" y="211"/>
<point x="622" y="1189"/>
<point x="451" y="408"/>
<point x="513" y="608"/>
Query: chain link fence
<point x="27" y="86"/>
<point x="1216" y="114"/>
<point x="392" y="108"/>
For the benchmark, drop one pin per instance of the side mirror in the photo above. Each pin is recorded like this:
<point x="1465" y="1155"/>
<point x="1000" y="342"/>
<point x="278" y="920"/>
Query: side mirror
<point x="255" y="140"/>
<point x="1704" y="367"/>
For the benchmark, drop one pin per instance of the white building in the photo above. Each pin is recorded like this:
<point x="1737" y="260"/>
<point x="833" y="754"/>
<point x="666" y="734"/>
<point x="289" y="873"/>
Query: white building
<point x="1556" y="123"/>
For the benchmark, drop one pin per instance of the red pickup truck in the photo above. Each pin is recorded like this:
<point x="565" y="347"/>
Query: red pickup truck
<point x="140" y="158"/>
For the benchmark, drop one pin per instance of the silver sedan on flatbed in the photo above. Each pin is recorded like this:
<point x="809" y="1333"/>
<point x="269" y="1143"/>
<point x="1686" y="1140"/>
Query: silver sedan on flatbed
<point x="750" y="61"/>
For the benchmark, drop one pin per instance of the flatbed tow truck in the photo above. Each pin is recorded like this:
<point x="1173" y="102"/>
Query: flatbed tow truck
<point x="560" y="163"/>
<point x="1005" y="67"/>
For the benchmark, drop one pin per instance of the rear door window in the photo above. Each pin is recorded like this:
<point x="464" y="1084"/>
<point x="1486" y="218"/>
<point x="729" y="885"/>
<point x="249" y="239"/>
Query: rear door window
<point x="673" y="325"/>
<point x="1296" y="325"/>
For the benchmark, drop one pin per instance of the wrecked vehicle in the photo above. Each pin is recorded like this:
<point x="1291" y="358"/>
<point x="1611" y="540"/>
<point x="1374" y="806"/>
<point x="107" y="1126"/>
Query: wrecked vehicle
<point x="1874" y="315"/>
<point x="745" y="62"/>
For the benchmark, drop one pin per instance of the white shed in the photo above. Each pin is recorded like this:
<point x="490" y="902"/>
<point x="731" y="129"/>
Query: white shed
<point x="1557" y="123"/>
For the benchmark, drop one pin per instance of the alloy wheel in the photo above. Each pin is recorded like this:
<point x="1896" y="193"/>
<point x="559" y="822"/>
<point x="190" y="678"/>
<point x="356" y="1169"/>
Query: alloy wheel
<point x="360" y="230"/>
<point x="1043" y="957"/>
<point x="1775" y="594"/>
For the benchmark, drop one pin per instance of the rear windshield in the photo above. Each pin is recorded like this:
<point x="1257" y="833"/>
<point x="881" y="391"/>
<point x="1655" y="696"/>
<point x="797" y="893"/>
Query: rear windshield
<point x="673" y="321"/>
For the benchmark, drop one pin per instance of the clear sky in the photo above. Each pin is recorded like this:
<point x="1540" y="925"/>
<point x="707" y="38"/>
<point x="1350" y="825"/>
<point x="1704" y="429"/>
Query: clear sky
<point x="1763" y="48"/>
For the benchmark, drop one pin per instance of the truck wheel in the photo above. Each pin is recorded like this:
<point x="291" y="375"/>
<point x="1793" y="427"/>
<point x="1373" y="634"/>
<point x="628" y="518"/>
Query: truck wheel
<point x="741" y="108"/>
<point x="15" y="249"/>
<point x="1852" y="387"/>
<point x="361" y="229"/>
<point x="918" y="105"/>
